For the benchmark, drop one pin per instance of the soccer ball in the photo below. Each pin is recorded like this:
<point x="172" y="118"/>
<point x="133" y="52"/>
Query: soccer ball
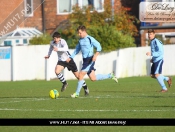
<point x="53" y="93"/>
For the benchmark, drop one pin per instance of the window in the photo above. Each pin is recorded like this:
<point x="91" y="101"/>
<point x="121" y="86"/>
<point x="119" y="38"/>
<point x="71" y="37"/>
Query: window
<point x="28" y="7"/>
<point x="98" y="5"/>
<point x="65" y="7"/>
<point x="7" y="43"/>
<point x="24" y="41"/>
<point x="17" y="41"/>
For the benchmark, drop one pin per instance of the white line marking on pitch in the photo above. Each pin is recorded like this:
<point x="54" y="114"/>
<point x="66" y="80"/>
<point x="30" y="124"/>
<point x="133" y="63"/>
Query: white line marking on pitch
<point x="22" y="100"/>
<point x="45" y="110"/>
<point x="18" y="100"/>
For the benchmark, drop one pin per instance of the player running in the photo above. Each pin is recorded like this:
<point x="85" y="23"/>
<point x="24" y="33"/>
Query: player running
<point x="86" y="46"/>
<point x="60" y="46"/>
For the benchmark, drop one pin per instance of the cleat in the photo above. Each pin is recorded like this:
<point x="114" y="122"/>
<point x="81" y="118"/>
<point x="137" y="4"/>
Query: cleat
<point x="74" y="95"/>
<point x="163" y="91"/>
<point x="169" y="82"/>
<point x="64" y="87"/>
<point x="113" y="77"/>
<point x="86" y="91"/>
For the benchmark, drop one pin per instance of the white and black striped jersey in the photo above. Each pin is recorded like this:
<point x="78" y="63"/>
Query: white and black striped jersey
<point x="63" y="50"/>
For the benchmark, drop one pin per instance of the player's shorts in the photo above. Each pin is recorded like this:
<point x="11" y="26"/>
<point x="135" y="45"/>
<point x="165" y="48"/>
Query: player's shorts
<point x="88" y="65"/>
<point x="71" y="66"/>
<point x="156" y="67"/>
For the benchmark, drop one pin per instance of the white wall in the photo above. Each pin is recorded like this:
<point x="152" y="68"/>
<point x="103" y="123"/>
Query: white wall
<point x="5" y="64"/>
<point x="28" y="63"/>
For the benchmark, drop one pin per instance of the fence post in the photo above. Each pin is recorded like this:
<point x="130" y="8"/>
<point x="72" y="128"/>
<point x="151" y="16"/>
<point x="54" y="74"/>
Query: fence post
<point x="47" y="75"/>
<point x="13" y="62"/>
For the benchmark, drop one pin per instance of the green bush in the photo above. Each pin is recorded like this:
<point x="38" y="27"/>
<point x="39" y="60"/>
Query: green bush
<point x="109" y="38"/>
<point x="41" y="40"/>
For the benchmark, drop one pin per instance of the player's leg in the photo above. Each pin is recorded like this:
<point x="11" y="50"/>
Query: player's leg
<point x="60" y="76"/>
<point x="165" y="78"/>
<point x="157" y="66"/>
<point x="152" y="74"/>
<point x="80" y="84"/>
<point x="71" y="66"/>
<point x="93" y="77"/>
<point x="97" y="77"/>
<point x="86" y="90"/>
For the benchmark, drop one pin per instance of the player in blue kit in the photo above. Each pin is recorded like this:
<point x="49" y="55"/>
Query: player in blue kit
<point x="157" y="53"/>
<point x="86" y="46"/>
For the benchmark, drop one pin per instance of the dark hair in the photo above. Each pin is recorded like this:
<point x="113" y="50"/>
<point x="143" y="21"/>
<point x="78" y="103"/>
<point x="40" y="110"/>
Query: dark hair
<point x="82" y="27"/>
<point x="151" y="31"/>
<point x="56" y="34"/>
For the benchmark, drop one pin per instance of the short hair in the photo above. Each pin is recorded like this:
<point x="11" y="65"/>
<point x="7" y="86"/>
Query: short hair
<point x="82" y="27"/>
<point x="56" y="34"/>
<point x="151" y="31"/>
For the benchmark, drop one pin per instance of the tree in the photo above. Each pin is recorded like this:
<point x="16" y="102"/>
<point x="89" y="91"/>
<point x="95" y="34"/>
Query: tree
<point x="40" y="40"/>
<point x="112" y="31"/>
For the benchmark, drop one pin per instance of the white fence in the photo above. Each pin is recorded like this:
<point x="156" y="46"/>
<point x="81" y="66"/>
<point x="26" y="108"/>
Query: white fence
<point x="28" y="63"/>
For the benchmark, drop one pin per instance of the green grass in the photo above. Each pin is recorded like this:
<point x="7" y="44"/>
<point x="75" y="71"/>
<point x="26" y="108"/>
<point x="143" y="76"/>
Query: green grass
<point x="135" y="97"/>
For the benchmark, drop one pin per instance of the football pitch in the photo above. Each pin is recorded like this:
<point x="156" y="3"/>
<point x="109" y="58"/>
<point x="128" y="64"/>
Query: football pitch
<point x="135" y="97"/>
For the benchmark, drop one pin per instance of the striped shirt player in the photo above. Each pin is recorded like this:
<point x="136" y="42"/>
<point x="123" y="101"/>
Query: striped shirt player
<point x="86" y="45"/>
<point x="60" y="46"/>
<point x="157" y="53"/>
<point x="63" y="53"/>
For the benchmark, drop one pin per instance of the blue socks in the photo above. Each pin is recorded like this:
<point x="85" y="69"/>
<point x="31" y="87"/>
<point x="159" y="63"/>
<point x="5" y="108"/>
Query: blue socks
<point x="165" y="78"/>
<point x="160" y="79"/>
<point x="79" y="86"/>
<point x="98" y="77"/>
<point x="102" y="77"/>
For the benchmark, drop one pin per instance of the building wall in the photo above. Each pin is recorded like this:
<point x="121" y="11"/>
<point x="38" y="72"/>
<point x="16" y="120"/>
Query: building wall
<point x="52" y="19"/>
<point x="7" y="7"/>
<point x="36" y="19"/>
<point x="10" y="15"/>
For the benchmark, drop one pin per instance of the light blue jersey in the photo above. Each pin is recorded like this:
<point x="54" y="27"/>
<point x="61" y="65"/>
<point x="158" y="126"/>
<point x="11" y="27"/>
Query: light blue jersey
<point x="156" y="50"/>
<point x="157" y="53"/>
<point x="86" y="46"/>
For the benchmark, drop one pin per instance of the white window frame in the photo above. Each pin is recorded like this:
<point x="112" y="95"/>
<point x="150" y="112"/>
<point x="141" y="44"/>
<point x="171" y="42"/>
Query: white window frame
<point x="26" y="8"/>
<point x="79" y="4"/>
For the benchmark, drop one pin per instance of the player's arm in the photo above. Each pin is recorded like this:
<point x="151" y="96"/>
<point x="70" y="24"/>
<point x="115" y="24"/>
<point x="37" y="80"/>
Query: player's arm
<point x="98" y="47"/>
<point x="76" y="51"/>
<point x="49" y="52"/>
<point x="95" y="56"/>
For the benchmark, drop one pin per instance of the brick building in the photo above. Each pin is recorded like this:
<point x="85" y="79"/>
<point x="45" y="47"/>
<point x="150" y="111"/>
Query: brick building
<point x="50" y="15"/>
<point x="45" y="15"/>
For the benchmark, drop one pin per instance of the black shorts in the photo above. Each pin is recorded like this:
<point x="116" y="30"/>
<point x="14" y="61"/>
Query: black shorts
<point x="71" y="66"/>
<point x="156" y="67"/>
<point x="88" y="66"/>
